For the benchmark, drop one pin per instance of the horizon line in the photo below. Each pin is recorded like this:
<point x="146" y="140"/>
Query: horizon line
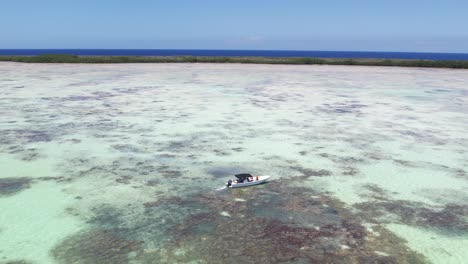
<point x="361" y="51"/>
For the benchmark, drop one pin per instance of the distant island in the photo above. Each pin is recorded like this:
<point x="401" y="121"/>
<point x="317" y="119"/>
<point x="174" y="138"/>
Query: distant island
<point x="66" y="58"/>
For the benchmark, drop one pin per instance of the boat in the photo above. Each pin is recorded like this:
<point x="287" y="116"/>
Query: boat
<point x="245" y="179"/>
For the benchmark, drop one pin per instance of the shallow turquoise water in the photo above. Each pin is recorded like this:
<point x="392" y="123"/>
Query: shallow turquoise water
<point x="118" y="163"/>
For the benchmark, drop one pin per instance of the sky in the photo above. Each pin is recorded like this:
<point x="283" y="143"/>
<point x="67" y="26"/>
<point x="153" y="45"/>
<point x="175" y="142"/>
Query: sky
<point x="349" y="25"/>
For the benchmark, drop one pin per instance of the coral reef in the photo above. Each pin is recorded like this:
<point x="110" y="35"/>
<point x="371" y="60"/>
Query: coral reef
<point x="278" y="224"/>
<point x="10" y="186"/>
<point x="450" y="218"/>
<point x="95" y="247"/>
<point x="346" y="107"/>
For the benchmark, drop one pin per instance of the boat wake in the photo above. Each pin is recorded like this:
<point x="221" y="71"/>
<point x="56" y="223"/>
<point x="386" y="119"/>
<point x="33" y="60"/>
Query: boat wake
<point x="220" y="189"/>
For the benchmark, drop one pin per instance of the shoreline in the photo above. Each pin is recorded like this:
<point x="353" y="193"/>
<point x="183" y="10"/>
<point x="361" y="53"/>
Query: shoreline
<point x="65" y="58"/>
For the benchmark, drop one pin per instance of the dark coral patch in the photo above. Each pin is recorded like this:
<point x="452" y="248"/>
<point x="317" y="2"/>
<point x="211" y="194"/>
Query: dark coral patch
<point x="30" y="154"/>
<point x="74" y="141"/>
<point x="124" y="179"/>
<point x="346" y="163"/>
<point x="342" y="160"/>
<point x="350" y="171"/>
<point x="405" y="163"/>
<point x="377" y="156"/>
<point x="9" y="186"/>
<point x="376" y="192"/>
<point x="170" y="200"/>
<point x="56" y="179"/>
<point x="306" y="172"/>
<point x="238" y="149"/>
<point x="17" y="262"/>
<point x="225" y="171"/>
<point x="127" y="148"/>
<point x="95" y="247"/>
<point x="37" y="136"/>
<point x="151" y="222"/>
<point x="28" y="136"/>
<point x="153" y="182"/>
<point x="118" y="168"/>
<point x="342" y="108"/>
<point x="461" y="173"/>
<point x="78" y="98"/>
<point x="221" y="153"/>
<point x="451" y="218"/>
<point x="278" y="224"/>
<point x="170" y="173"/>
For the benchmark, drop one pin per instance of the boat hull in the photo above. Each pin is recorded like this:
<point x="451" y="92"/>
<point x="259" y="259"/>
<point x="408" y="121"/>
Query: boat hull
<point x="261" y="179"/>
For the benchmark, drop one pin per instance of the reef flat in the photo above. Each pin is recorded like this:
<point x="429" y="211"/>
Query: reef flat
<point x="118" y="163"/>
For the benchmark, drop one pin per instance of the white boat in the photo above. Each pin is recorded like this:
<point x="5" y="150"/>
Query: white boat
<point x="245" y="179"/>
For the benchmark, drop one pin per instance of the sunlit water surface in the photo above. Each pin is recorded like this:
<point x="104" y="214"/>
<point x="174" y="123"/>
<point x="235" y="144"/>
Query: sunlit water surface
<point x="119" y="164"/>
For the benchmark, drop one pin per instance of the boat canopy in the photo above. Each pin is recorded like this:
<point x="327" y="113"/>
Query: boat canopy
<point x="243" y="176"/>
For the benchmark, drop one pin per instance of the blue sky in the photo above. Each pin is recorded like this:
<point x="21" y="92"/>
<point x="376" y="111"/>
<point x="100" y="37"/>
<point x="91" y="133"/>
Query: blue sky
<point x="361" y="25"/>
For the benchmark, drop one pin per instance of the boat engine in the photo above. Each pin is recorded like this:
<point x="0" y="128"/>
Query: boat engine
<point x="229" y="183"/>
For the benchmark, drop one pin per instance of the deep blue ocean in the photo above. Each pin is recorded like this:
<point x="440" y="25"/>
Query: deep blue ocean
<point x="260" y="53"/>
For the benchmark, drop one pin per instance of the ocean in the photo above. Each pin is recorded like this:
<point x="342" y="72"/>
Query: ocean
<point x="254" y="53"/>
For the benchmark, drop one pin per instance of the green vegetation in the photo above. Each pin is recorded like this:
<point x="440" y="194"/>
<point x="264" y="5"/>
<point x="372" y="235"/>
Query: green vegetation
<point x="64" y="58"/>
